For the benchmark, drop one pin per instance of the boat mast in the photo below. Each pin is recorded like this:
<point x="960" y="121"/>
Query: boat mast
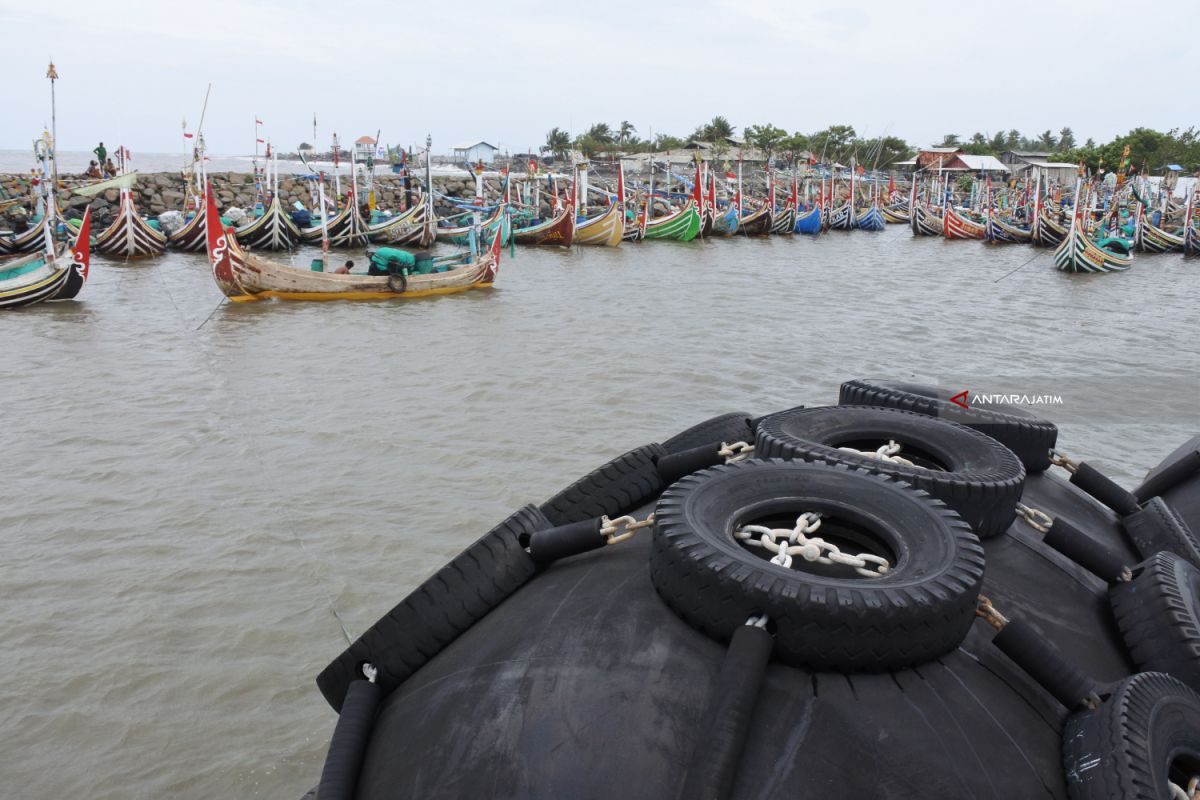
<point x="324" y="224"/>
<point x="51" y="171"/>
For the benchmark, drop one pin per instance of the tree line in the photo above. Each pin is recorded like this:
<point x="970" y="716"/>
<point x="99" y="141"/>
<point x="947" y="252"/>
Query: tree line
<point x="1148" y="148"/>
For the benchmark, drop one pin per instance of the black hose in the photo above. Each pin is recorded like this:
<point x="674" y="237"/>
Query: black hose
<point x="339" y="778"/>
<point x="714" y="762"/>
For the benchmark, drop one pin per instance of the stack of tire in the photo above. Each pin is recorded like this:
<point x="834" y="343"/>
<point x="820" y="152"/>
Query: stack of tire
<point x="906" y="641"/>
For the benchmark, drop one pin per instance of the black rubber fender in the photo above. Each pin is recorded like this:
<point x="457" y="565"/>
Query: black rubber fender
<point x="981" y="479"/>
<point x="825" y="617"/>
<point x="1125" y="749"/>
<point x="729" y="428"/>
<point x="565" y="541"/>
<point x="621" y="485"/>
<point x="713" y="765"/>
<point x="1043" y="662"/>
<point x="397" y="282"/>
<point x="434" y="614"/>
<point x="339" y="776"/>
<point x="1091" y="554"/>
<point x="1177" y="469"/>
<point x="1028" y="436"/>
<point x="1104" y="489"/>
<point x="1157" y="528"/>
<point x="1158" y="614"/>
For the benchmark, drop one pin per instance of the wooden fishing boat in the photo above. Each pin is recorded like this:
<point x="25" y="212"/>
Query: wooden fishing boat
<point x="604" y="230"/>
<point x="924" y="222"/>
<point x="346" y="229"/>
<point x="58" y="274"/>
<point x="725" y="222"/>
<point x="274" y="230"/>
<point x="682" y="225"/>
<point x="784" y="223"/>
<point x="809" y="222"/>
<point x="32" y="240"/>
<point x="416" y="227"/>
<point x="1148" y="238"/>
<point x="896" y="214"/>
<point x="757" y="222"/>
<point x="1000" y="231"/>
<point x="461" y="234"/>
<point x="1047" y="231"/>
<point x="843" y="218"/>
<point x="957" y="226"/>
<point x="1078" y="253"/>
<point x="193" y="236"/>
<point x="1191" y="230"/>
<point x="244" y="276"/>
<point x="871" y="219"/>
<point x="129" y="236"/>
<point x="558" y="230"/>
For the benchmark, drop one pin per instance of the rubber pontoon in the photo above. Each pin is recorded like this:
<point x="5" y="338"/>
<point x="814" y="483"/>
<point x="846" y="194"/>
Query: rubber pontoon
<point x="894" y="597"/>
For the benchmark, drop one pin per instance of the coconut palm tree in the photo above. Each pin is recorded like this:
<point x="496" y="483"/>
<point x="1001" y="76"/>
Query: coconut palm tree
<point x="626" y="132"/>
<point x="558" y="143"/>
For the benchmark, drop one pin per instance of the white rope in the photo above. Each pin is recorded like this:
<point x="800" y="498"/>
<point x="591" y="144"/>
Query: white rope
<point x="786" y="543"/>
<point x="885" y="453"/>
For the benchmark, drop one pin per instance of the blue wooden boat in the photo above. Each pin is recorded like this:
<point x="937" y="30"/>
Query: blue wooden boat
<point x="872" y="220"/>
<point x="809" y="221"/>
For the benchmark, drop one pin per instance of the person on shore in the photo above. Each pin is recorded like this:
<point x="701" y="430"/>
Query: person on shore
<point x="344" y="269"/>
<point x="110" y="169"/>
<point x="93" y="171"/>
<point x="101" y="153"/>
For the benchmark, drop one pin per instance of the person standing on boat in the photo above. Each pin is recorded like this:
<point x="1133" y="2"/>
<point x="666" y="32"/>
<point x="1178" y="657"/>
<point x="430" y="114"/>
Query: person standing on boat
<point x="101" y="153"/>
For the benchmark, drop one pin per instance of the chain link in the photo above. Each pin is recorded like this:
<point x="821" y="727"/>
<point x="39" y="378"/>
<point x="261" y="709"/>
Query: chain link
<point x="1060" y="460"/>
<point x="986" y="611"/>
<point x="887" y="452"/>
<point x="618" y="530"/>
<point x="735" y="452"/>
<point x="1037" y="519"/>
<point x="369" y="671"/>
<point x="785" y="543"/>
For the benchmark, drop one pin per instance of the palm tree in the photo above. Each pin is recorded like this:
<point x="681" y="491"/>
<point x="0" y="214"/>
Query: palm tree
<point x="558" y="143"/>
<point x="718" y="129"/>
<point x="625" y="132"/>
<point x="600" y="132"/>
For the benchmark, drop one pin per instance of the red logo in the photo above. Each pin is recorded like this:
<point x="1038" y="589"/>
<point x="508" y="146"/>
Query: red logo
<point x="960" y="399"/>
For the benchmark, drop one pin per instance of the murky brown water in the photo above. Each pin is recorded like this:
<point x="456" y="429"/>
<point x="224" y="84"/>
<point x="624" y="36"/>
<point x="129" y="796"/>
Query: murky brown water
<point x="200" y="496"/>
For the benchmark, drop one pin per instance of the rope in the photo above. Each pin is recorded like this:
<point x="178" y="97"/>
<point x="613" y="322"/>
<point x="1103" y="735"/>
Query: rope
<point x="786" y="543"/>
<point x="886" y="452"/>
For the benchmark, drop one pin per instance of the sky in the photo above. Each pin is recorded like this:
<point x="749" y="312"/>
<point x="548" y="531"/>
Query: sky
<point x="131" y="71"/>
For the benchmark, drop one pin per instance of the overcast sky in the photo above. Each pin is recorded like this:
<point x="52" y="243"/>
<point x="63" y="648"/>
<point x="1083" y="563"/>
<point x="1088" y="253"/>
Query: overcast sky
<point x="132" y="70"/>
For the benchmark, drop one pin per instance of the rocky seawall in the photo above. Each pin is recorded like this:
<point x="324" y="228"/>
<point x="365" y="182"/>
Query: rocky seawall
<point x="157" y="193"/>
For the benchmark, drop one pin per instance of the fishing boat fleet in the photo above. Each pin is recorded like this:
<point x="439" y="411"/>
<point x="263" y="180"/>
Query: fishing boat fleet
<point x="1095" y="227"/>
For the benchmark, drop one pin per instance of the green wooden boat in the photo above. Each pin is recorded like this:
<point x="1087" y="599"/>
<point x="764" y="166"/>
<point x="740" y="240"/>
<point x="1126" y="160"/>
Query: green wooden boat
<point x="461" y="235"/>
<point x="683" y="226"/>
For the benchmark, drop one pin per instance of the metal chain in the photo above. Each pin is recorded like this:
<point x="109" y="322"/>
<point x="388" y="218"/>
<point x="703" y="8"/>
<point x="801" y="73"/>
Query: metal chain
<point x="986" y="611"/>
<point x="1060" y="460"/>
<point x="1038" y="520"/>
<point x="785" y="543"/>
<point x="757" y="621"/>
<point x="735" y="452"/>
<point x="618" y="530"/>
<point x="369" y="671"/>
<point x="885" y="453"/>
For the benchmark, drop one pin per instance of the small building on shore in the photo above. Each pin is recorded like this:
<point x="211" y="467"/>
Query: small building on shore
<point x="1015" y="159"/>
<point x="473" y="152"/>
<point x="1059" y="172"/>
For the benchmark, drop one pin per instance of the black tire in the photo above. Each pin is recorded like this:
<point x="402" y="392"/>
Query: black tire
<point x="730" y="428"/>
<point x="397" y="282"/>
<point x="1125" y="749"/>
<point x="1026" y="434"/>
<point x="1157" y="528"/>
<point x="981" y="480"/>
<point x="621" y="485"/>
<point x="825" y="617"/>
<point x="456" y="597"/>
<point x="1158" y="614"/>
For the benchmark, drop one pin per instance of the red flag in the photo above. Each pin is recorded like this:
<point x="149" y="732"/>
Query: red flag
<point x="258" y="121"/>
<point x="261" y="141"/>
<point x="187" y="136"/>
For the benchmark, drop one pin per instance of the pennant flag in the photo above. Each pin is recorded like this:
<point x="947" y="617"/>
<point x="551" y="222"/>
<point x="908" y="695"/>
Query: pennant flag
<point x="258" y="121"/>
<point x="261" y="141"/>
<point x="187" y="135"/>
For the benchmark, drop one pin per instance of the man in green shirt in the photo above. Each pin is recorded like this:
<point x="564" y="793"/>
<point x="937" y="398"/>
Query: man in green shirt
<point x="101" y="153"/>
